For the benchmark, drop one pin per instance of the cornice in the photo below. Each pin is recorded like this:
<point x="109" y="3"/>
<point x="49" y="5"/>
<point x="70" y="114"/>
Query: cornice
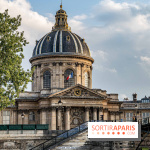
<point x="59" y="55"/>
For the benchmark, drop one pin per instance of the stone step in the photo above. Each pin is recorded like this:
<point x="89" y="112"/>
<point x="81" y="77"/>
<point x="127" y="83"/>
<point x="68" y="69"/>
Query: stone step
<point x="73" y="144"/>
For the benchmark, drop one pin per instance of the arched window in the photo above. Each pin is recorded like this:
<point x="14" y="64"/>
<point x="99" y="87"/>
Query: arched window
<point x="31" y="116"/>
<point x="69" y="78"/>
<point x="86" y="79"/>
<point x="46" y="80"/>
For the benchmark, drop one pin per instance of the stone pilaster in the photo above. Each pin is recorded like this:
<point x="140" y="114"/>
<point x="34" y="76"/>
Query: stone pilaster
<point x="53" y="118"/>
<point x="14" y="116"/>
<point x="87" y="109"/>
<point x="38" y="77"/>
<point x="94" y="113"/>
<point x="67" y="118"/>
<point x="112" y="116"/>
<point x="43" y="117"/>
<point x="59" y="118"/>
<point x="26" y="118"/>
<point x="105" y="114"/>
<point x="117" y="116"/>
<point x="20" y="120"/>
<point x="100" y="113"/>
<point x="11" y="116"/>
<point x="41" y="81"/>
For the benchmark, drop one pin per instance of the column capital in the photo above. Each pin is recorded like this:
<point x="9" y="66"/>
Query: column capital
<point x="95" y="108"/>
<point x="112" y="113"/>
<point x="100" y="108"/>
<point x="60" y="107"/>
<point x="53" y="108"/>
<point x="118" y="112"/>
<point x="87" y="108"/>
<point x="105" y="109"/>
<point x="67" y="107"/>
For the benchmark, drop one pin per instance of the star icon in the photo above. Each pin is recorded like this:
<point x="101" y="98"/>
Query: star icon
<point x="113" y="133"/>
<point x="118" y="133"/>
<point x="123" y="133"/>
<point x="108" y="133"/>
<point x="103" y="133"/>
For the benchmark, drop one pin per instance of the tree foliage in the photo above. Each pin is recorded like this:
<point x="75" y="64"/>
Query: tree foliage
<point x="13" y="78"/>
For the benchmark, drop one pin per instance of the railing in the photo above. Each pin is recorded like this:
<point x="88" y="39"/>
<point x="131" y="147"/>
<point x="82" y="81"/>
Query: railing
<point x="25" y="127"/>
<point x="61" y="137"/>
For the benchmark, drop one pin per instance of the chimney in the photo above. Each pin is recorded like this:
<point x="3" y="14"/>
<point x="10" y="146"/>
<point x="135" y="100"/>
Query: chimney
<point x="134" y="97"/>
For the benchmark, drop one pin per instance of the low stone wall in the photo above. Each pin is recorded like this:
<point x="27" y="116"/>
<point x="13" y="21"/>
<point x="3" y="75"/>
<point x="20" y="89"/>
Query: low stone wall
<point x="22" y="140"/>
<point x="19" y="144"/>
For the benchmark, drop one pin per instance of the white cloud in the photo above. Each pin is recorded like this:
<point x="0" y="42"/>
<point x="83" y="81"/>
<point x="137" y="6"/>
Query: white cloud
<point x="33" y="23"/>
<point x="100" y="54"/>
<point x="76" y="26"/>
<point x="122" y="96"/>
<point x="81" y="17"/>
<point x="101" y="59"/>
<point x="145" y="59"/>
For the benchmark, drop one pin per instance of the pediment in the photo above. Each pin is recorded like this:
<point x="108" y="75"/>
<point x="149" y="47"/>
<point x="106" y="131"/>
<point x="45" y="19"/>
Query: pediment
<point x="78" y="91"/>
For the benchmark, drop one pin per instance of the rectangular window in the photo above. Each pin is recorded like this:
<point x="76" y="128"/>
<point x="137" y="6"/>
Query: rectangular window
<point x="145" y="114"/>
<point x="129" y="116"/>
<point x="6" y="117"/>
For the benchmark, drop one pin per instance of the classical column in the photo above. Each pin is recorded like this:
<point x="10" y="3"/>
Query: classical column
<point x="94" y="113"/>
<point x="87" y="114"/>
<point x="117" y="116"/>
<point x="59" y="118"/>
<point x="100" y="113"/>
<point x="105" y="114"/>
<point x="112" y="116"/>
<point x="67" y="118"/>
<point x="43" y="117"/>
<point x="53" y="118"/>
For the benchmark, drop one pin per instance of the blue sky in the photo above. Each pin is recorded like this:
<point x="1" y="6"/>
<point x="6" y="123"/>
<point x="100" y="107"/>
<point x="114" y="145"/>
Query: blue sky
<point x="117" y="32"/>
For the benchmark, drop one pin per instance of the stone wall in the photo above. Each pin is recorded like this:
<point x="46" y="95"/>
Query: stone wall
<point x="17" y="141"/>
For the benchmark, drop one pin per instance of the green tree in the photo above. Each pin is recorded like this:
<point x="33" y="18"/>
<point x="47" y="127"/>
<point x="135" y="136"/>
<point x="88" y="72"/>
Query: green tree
<point x="13" y="78"/>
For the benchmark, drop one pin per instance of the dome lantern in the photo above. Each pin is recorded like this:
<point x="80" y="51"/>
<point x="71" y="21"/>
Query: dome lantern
<point x="61" y="20"/>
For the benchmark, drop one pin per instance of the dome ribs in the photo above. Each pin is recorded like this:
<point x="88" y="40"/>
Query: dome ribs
<point x="55" y="41"/>
<point x="79" y="43"/>
<point x="75" y="42"/>
<point x="60" y="43"/>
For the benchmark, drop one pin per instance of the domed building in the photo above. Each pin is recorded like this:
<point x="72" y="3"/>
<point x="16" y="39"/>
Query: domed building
<point x="62" y="94"/>
<point x="58" y="54"/>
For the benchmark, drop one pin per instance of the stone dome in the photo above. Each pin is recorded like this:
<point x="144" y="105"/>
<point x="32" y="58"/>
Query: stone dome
<point x="61" y="40"/>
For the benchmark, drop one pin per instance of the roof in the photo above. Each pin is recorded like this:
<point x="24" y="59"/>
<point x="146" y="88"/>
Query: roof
<point x="61" y="42"/>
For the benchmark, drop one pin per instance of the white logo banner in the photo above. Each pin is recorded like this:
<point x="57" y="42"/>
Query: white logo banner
<point x="112" y="129"/>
